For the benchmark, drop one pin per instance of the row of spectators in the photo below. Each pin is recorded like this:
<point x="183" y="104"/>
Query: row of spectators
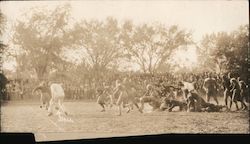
<point x="21" y="89"/>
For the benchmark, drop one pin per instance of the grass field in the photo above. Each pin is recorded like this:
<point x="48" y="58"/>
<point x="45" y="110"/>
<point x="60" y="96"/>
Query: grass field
<point x="89" y="122"/>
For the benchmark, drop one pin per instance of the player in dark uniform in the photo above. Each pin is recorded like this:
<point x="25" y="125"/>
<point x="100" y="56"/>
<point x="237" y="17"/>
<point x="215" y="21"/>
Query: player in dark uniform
<point x="194" y="102"/>
<point x="45" y="95"/>
<point x="169" y="104"/>
<point x="132" y="98"/>
<point x="236" y="94"/>
<point x="151" y="97"/>
<point x="210" y="86"/>
<point x="244" y="90"/>
<point x="103" y="93"/>
<point x="235" y="90"/>
<point x="198" y="104"/>
<point x="226" y="87"/>
<point x="123" y="95"/>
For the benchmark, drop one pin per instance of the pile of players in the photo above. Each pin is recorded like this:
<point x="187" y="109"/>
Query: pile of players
<point x="184" y="95"/>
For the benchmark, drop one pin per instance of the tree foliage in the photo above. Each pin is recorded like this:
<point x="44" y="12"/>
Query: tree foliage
<point x="2" y="45"/>
<point x="150" y="46"/>
<point x="227" y="51"/>
<point x="41" y="36"/>
<point x="100" y="42"/>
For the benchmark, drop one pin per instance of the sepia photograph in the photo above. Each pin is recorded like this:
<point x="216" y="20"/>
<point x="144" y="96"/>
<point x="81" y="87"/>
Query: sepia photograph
<point x="72" y="69"/>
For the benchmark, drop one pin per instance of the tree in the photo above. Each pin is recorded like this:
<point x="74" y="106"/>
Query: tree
<point x="41" y="36"/>
<point x="151" y="46"/>
<point x="212" y="51"/>
<point x="227" y="51"/>
<point x="2" y="45"/>
<point x="100" y="42"/>
<point x="2" y="23"/>
<point x="240" y="49"/>
<point x="3" y="79"/>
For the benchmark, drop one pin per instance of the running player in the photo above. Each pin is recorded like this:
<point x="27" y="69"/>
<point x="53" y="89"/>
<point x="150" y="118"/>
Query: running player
<point x="57" y="98"/>
<point x="122" y="94"/>
<point x="132" y="94"/>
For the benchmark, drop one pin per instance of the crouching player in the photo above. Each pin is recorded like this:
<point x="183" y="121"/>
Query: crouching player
<point x="44" y="92"/>
<point x="101" y="99"/>
<point x="198" y="104"/>
<point x="169" y="104"/>
<point x="103" y="94"/>
<point x="151" y="98"/>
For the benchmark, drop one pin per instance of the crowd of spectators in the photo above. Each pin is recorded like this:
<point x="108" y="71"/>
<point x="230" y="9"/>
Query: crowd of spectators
<point x="21" y="89"/>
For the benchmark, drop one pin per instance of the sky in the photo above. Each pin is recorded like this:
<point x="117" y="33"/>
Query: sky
<point x="200" y="17"/>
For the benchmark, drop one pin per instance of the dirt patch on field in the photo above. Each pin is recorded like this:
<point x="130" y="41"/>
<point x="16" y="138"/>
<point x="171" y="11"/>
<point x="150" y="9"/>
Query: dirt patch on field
<point x="89" y="122"/>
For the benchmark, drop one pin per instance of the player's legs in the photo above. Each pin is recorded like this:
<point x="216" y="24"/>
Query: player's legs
<point x="100" y="101"/>
<point x="46" y="98"/>
<point x="119" y="103"/>
<point x="137" y="106"/>
<point x="163" y="106"/>
<point x="120" y="110"/>
<point x="103" y="107"/>
<point x="198" y="106"/>
<point x="208" y="93"/>
<point x="215" y="99"/>
<point x="171" y="106"/>
<point x="183" y="106"/>
<point x="226" y="93"/>
<point x="111" y="100"/>
<point x="230" y="103"/>
<point x="61" y="105"/>
<point x="234" y="99"/>
<point x="242" y="96"/>
<point x="129" y="106"/>
<point x="142" y="104"/>
<point x="243" y="105"/>
<point x="190" y="104"/>
<point x="41" y="100"/>
<point x="51" y="106"/>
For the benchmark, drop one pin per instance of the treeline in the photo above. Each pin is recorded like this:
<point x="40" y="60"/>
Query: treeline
<point x="44" y="37"/>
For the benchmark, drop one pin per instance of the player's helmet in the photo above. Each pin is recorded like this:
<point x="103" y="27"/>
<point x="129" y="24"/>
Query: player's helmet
<point x="180" y="84"/>
<point x="210" y="75"/>
<point x="149" y="87"/>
